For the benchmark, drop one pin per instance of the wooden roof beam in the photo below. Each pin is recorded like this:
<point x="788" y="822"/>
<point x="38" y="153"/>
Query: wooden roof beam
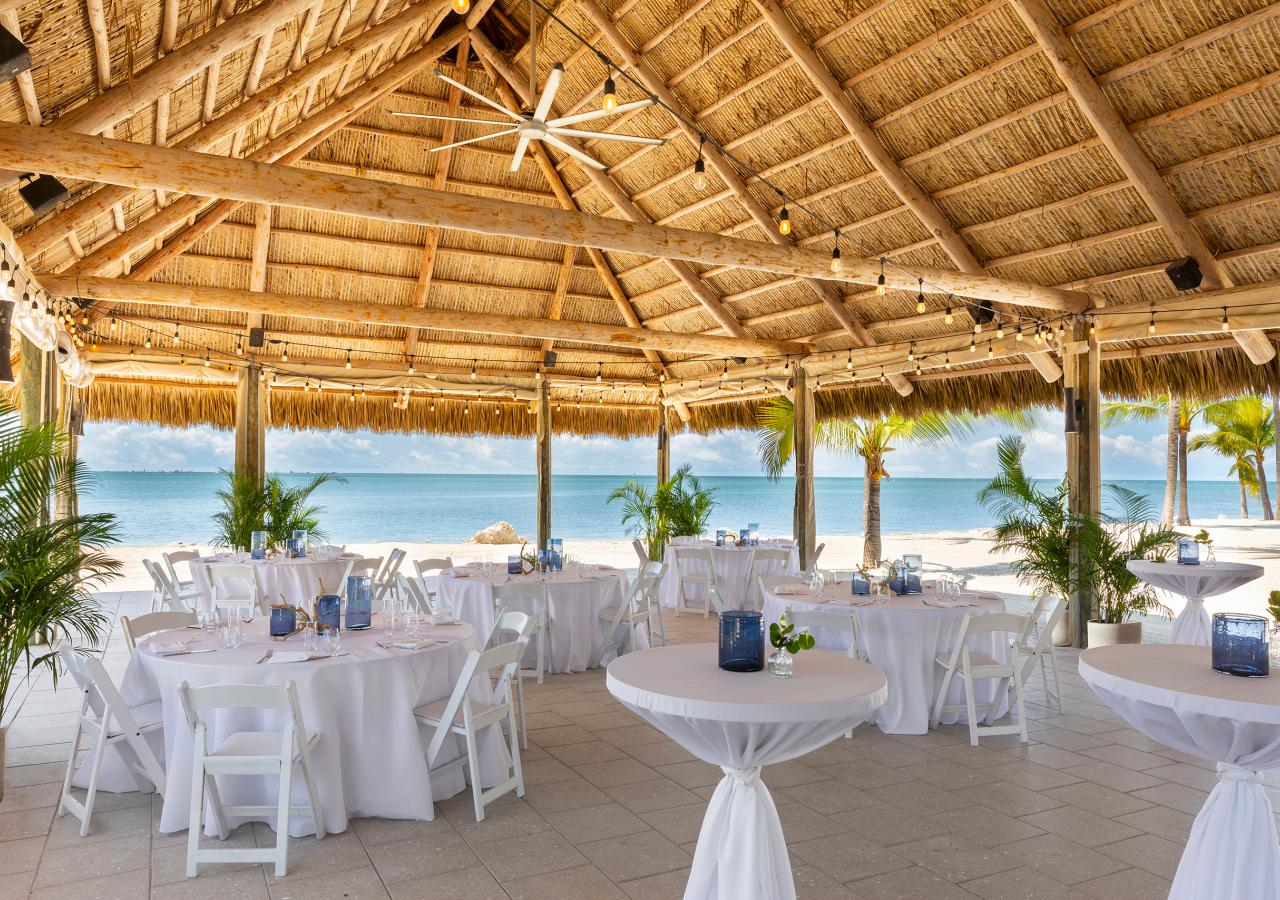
<point x="465" y="321"/>
<point x="1096" y="107"/>
<point x="146" y="167"/>
<point x="26" y="84"/>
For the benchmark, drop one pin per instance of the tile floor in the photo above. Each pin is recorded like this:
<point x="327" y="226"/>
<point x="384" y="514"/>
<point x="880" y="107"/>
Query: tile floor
<point x="1089" y="809"/>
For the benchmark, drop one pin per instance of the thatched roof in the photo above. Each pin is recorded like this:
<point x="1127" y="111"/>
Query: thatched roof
<point x="960" y="95"/>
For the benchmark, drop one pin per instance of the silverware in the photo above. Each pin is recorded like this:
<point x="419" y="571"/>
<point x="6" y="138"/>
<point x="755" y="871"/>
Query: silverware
<point x="266" y="656"/>
<point x="189" y="652"/>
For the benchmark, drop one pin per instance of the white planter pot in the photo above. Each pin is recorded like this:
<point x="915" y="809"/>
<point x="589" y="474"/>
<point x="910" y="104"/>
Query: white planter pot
<point x="1062" y="631"/>
<point x="1104" y="634"/>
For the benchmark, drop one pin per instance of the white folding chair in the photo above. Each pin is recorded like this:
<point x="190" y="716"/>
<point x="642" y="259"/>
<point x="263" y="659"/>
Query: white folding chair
<point x="532" y="598"/>
<point x="139" y="627"/>
<point x="233" y="586"/>
<point x="971" y="664"/>
<point x="764" y="561"/>
<point x="704" y="576"/>
<point x="513" y="625"/>
<point x="431" y="568"/>
<point x="163" y="592"/>
<point x="385" y="579"/>
<point x="836" y="618"/>
<point x="1037" y="648"/>
<point x="460" y="715"/>
<point x="410" y="591"/>
<point x="630" y="617"/>
<point x="271" y="753"/>
<point x="363" y="566"/>
<point x="111" y="725"/>
<point x="187" y="588"/>
<point x="817" y="555"/>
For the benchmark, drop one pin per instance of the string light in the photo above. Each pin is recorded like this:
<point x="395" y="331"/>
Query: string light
<point x="461" y="7"/>
<point x="949" y="318"/>
<point x="239" y="349"/>
<point x="977" y="328"/>
<point x="837" y="265"/>
<point x="206" y="360"/>
<point x="413" y="370"/>
<point x="600" y="366"/>
<point x="284" y="356"/>
<point x="999" y="329"/>
<point x="348" y="359"/>
<point x="946" y="360"/>
<point x="473" y="370"/>
<point x="849" y="364"/>
<point x="700" y="167"/>
<point x="1039" y="334"/>
<point x="883" y="378"/>
<point x="113" y="324"/>
<point x="911" y="352"/>
<point x="784" y="222"/>
<point x="920" y="298"/>
<point x="537" y="376"/>
<point x="1151" y="326"/>
<point x="881" y="286"/>
<point x="991" y="351"/>
<point x="610" y="99"/>
<point x="1017" y="334"/>
<point x="1093" y="325"/>
<point x="353" y="396"/>
<point x="917" y="368"/>
<point x="147" y="342"/>
<point x="973" y="345"/>
<point x="724" y="373"/>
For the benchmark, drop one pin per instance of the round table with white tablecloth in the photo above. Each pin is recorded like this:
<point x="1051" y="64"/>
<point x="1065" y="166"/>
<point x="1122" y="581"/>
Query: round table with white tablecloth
<point x="741" y="722"/>
<point x="902" y="636"/>
<point x="733" y="565"/>
<point x="297" y="580"/>
<point x="574" y="602"/>
<point x="1208" y="579"/>
<point x="370" y="759"/>
<point x="1171" y="693"/>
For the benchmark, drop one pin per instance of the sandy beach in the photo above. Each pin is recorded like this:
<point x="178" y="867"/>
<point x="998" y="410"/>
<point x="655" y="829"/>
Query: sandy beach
<point x="967" y="552"/>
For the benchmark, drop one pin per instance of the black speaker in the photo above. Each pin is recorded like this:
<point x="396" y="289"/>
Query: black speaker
<point x="43" y="193"/>
<point x="983" y="312"/>
<point x="549" y="359"/>
<point x="6" y="320"/>
<point x="14" y="56"/>
<point x="257" y="337"/>
<point x="1185" y="274"/>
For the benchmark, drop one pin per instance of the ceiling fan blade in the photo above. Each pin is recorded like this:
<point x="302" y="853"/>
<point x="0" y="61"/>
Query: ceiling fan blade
<point x="483" y="137"/>
<point x="521" y="146"/>
<point x="549" y="93"/>
<point x="605" y="136"/>
<point x="409" y="115"/>
<point x="599" y="113"/>
<point x="572" y="151"/>
<point x="481" y="97"/>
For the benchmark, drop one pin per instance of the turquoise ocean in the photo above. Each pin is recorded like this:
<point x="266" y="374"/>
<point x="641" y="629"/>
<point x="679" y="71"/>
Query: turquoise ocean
<point x="156" y="508"/>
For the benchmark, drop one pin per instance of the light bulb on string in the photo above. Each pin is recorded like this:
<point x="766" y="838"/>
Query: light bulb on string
<point x="999" y="329"/>
<point x="973" y="345"/>
<point x="610" y="99"/>
<point x="147" y="342"/>
<point x="462" y="7"/>
<point x="700" y="170"/>
<point x="837" y="264"/>
<point x="113" y="324"/>
<point x="991" y="351"/>
<point x="883" y="377"/>
<point x="600" y="366"/>
<point x="784" y="221"/>
<point x="206" y="360"/>
<point x="1039" y="335"/>
<point x="1093" y="326"/>
<point x="977" y="328"/>
<point x="920" y="298"/>
<point x="849" y="364"/>
<point x="946" y="360"/>
<point x="1151" y="326"/>
<point x="353" y="396"/>
<point x="284" y="356"/>
<point x="239" y="349"/>
<point x="473" y="370"/>
<point x="949" y="317"/>
<point x="348" y="359"/>
<point x="1017" y="334"/>
<point x="881" y="286"/>
<point x="911" y="352"/>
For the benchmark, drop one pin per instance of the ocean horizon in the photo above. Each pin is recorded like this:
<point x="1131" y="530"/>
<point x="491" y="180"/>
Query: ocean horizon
<point x="157" y="508"/>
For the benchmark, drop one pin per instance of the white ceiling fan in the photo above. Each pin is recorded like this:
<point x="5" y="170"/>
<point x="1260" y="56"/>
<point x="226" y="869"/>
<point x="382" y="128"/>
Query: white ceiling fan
<point x="536" y="126"/>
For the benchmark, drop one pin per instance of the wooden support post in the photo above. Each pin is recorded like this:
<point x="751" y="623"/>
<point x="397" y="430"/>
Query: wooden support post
<point x="67" y="502"/>
<point x="251" y="424"/>
<point x="1081" y="377"/>
<point x="664" y="448"/>
<point x="544" y="463"/>
<point x="805" y="522"/>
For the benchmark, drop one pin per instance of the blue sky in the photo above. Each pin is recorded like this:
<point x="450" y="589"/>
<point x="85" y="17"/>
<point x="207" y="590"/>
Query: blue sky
<point x="1132" y="452"/>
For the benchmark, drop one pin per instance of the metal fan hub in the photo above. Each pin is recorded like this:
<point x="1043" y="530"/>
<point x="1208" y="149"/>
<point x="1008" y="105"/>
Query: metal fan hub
<point x="533" y="129"/>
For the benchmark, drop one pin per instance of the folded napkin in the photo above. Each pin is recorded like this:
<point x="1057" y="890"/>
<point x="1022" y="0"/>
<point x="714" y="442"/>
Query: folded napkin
<point x="170" y="649"/>
<point x="442" y="619"/>
<point x="462" y="573"/>
<point x="947" y="602"/>
<point x="411" y="643"/>
<point x="792" y="590"/>
<point x="299" y="656"/>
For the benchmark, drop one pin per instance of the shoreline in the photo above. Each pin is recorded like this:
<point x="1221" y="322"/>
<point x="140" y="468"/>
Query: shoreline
<point x="966" y="552"/>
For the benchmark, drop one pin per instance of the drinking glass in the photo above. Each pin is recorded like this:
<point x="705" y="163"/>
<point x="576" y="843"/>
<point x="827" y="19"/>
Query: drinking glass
<point x="391" y="616"/>
<point x="332" y="642"/>
<point x="208" y="619"/>
<point x="309" y="637"/>
<point x="410" y="621"/>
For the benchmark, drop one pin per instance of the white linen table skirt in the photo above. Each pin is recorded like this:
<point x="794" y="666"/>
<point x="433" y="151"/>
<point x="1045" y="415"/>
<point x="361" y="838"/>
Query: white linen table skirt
<point x="575" y="602"/>
<point x="1171" y="694"/>
<point x="297" y="580"/>
<point x="742" y="722"/>
<point x="902" y="636"/>
<point x="1192" y="626"/>
<point x="371" y="757"/>
<point x="732" y="565"/>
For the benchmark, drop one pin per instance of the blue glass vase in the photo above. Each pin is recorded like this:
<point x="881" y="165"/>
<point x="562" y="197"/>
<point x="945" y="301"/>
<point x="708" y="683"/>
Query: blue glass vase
<point x="741" y="640"/>
<point x="861" y="585"/>
<point x="1188" y="553"/>
<point x="359" y="602"/>
<point x="328" y="610"/>
<point x="284" y="621"/>
<point x="1240" y="645"/>
<point x="721" y="534"/>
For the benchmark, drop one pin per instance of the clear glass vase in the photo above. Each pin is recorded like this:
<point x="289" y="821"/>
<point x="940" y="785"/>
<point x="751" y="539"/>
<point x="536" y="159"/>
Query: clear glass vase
<point x="1273" y="645"/>
<point x="781" y="663"/>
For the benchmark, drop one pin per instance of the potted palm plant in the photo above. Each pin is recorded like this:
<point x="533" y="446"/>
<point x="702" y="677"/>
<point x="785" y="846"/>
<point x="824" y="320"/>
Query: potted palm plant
<point x="275" y="508"/>
<point x="678" y="507"/>
<point x="47" y="566"/>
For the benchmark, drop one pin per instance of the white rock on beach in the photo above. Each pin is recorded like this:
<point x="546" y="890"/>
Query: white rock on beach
<point x="498" y="533"/>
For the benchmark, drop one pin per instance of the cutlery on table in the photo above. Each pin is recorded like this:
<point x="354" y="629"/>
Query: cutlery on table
<point x="266" y="656"/>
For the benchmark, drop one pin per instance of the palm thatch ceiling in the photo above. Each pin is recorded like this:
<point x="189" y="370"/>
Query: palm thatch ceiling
<point x="1073" y="144"/>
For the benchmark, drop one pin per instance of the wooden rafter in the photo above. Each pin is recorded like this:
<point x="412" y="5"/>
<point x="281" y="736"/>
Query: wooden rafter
<point x="26" y="85"/>
<point x="555" y="305"/>
<point x="1111" y="129"/>
<point x="102" y="69"/>
<point x="258" y="257"/>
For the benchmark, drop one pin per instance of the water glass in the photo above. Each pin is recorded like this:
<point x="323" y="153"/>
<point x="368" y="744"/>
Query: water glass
<point x="309" y="642"/>
<point x="230" y="637"/>
<point x="411" y="623"/>
<point x="331" y="642"/>
<point x="208" y="619"/>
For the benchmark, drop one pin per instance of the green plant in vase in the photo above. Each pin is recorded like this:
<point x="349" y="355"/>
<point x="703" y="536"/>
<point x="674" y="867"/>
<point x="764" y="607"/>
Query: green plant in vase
<point x="787" y="642"/>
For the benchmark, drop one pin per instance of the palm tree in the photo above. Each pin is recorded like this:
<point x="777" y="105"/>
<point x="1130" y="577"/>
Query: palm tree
<point x="1181" y="414"/>
<point x="1224" y="444"/>
<point x="1245" y="426"/>
<point x="870" y="439"/>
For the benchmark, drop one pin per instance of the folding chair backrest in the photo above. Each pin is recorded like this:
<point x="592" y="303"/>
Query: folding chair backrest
<point x="502" y="658"/>
<point x="163" y="587"/>
<point x="641" y="554"/>
<point x="1010" y="623"/>
<point x="244" y="696"/>
<point x="139" y="627"/>
<point x="91" y="676"/>
<point x="696" y="554"/>
<point x="646" y="585"/>
<point x="179" y="556"/>
<point x="828" y="618"/>
<point x="387" y="576"/>
<point x="425" y="567"/>
<point x="511" y="621"/>
<point x="771" y="583"/>
<point x="1044" y="639"/>
<point x="535" y="591"/>
<point x="368" y="565"/>
<point x="817" y="554"/>
<point x="411" y="590"/>
<point x="241" y="576"/>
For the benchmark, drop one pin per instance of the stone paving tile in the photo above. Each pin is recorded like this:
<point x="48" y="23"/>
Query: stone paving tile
<point x="846" y="860"/>
<point x="1148" y="852"/>
<point x="954" y="857"/>
<point x="914" y="883"/>
<point x="1018" y="884"/>
<point x="887" y="824"/>
<point x="1061" y="859"/>
<point x="1170" y="824"/>
<point x="1131" y="884"/>
<point x="1098" y="799"/>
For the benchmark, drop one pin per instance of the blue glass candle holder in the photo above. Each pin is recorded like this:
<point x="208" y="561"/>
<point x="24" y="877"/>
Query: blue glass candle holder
<point x="741" y="640"/>
<point x="359" y="602"/>
<point x="753" y="533"/>
<point x="300" y="538"/>
<point x="557" y="554"/>
<point x="513" y="565"/>
<point x="328" y="610"/>
<point x="258" y="545"/>
<point x="721" y="534"/>
<point x="1240" y="645"/>
<point x="861" y="585"/>
<point x="898" y="580"/>
<point x="914" y="564"/>
<point x="284" y="621"/>
<point x="744" y="536"/>
<point x="1188" y="553"/>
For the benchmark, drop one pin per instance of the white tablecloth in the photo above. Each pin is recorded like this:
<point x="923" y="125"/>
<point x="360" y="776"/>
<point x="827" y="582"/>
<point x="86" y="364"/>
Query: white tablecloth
<point x="1192" y="625"/>
<point x="1172" y="694"/>
<point x="370" y="760"/>
<point x="731" y="572"/>
<point x="740" y="722"/>
<point x="577" y="631"/>
<point x="902" y="636"/>
<point x="297" y="580"/>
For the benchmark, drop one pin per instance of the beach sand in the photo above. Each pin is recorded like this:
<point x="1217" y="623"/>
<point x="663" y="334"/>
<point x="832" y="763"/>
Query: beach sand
<point x="967" y="552"/>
